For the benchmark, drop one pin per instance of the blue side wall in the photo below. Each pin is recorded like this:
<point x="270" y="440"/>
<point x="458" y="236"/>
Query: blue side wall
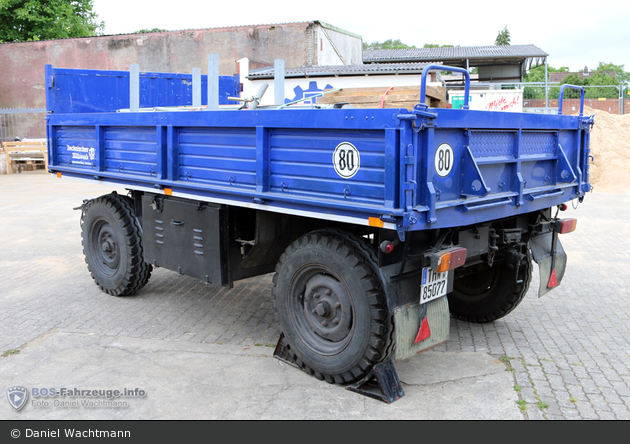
<point x="90" y="91"/>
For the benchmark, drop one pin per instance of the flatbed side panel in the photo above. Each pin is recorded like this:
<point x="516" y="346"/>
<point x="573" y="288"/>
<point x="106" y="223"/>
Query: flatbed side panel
<point x="76" y="147"/>
<point x="282" y="158"/>
<point x="301" y="163"/>
<point x="219" y="156"/>
<point x="132" y="150"/>
<point x="91" y="91"/>
<point x="497" y="165"/>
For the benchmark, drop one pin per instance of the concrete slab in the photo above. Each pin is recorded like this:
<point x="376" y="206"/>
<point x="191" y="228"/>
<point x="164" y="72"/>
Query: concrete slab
<point x="184" y="380"/>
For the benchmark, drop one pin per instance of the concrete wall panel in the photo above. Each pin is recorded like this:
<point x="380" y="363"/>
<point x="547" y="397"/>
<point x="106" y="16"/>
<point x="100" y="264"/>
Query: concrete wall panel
<point x="22" y="64"/>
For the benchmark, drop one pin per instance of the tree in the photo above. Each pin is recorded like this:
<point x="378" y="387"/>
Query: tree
<point x="32" y="20"/>
<point x="146" y="31"/>
<point x="387" y="44"/>
<point x="537" y="74"/>
<point x="621" y="74"/>
<point x="503" y="38"/>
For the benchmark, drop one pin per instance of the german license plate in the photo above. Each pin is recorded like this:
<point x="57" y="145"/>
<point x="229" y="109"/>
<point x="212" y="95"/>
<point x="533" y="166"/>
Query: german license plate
<point x="434" y="285"/>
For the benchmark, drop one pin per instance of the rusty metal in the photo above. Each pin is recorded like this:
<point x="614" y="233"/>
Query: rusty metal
<point x="381" y="383"/>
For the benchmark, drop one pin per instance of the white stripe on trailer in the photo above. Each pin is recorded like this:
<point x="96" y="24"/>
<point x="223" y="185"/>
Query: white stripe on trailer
<point x="313" y="214"/>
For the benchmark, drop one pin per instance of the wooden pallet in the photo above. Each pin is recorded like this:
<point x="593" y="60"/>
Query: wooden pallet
<point x="25" y="155"/>
<point x="386" y="97"/>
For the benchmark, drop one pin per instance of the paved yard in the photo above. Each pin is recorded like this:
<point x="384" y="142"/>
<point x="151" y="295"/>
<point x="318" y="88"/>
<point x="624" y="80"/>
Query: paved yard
<point x="568" y="352"/>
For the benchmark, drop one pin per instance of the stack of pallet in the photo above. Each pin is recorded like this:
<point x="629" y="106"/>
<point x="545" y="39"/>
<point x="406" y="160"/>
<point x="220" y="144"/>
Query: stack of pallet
<point x="25" y="155"/>
<point x="386" y="97"/>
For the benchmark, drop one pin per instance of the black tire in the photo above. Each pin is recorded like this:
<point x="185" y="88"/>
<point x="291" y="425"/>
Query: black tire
<point x="484" y="294"/>
<point x="112" y="245"/>
<point x="330" y="268"/>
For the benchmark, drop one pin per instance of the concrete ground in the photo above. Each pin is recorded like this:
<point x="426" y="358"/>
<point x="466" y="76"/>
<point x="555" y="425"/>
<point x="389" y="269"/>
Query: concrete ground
<point x="205" y="352"/>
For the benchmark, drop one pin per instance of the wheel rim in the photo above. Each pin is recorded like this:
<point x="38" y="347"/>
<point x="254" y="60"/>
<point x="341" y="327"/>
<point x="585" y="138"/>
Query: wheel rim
<point x="476" y="285"/>
<point x="104" y="248"/>
<point x="321" y="310"/>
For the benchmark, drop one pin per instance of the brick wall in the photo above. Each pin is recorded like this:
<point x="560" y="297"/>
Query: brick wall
<point x="22" y="64"/>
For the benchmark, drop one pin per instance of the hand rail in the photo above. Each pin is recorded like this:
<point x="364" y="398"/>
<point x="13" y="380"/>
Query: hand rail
<point x="423" y="84"/>
<point x="562" y="88"/>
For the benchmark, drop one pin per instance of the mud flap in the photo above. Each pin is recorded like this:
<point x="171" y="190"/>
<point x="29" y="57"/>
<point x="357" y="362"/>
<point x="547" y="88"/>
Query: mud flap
<point x="551" y="259"/>
<point x="421" y="327"/>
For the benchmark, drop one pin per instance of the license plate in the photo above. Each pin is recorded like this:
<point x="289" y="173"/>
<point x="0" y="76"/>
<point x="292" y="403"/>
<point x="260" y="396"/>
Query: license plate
<point x="434" y="285"/>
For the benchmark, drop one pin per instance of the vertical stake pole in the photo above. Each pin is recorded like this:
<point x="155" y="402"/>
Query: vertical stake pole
<point x="278" y="79"/>
<point x="134" y="88"/>
<point x="196" y="87"/>
<point x="213" y="81"/>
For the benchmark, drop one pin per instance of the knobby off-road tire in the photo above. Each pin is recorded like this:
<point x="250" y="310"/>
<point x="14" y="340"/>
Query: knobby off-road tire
<point x="112" y="245"/>
<point x="485" y="294"/>
<point x="331" y="307"/>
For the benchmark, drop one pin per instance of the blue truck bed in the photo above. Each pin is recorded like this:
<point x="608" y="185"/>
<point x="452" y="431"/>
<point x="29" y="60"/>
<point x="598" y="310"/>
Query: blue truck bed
<point x="282" y="160"/>
<point x="378" y="223"/>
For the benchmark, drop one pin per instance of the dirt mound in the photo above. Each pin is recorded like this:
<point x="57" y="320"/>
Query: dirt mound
<point x="610" y="148"/>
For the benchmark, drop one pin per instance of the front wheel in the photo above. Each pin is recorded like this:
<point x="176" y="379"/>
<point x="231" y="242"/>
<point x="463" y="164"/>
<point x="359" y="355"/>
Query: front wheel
<point x="331" y="308"/>
<point x="483" y="293"/>
<point x="112" y="245"/>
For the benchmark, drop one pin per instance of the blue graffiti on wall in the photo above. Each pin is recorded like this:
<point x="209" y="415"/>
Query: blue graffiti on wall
<point x="306" y="93"/>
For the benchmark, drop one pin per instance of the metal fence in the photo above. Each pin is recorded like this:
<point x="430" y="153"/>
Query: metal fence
<point x="541" y="97"/>
<point x="22" y="123"/>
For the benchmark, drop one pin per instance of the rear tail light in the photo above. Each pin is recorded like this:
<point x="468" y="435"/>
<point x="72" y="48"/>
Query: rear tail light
<point x="448" y="259"/>
<point x="566" y="226"/>
<point x="388" y="246"/>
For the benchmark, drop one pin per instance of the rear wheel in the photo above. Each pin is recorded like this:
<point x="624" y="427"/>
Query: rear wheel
<point x="331" y="308"/>
<point x="112" y="245"/>
<point x="482" y="293"/>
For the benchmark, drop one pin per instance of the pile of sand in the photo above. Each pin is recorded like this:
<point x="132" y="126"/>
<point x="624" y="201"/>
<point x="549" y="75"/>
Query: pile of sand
<point x="610" y="148"/>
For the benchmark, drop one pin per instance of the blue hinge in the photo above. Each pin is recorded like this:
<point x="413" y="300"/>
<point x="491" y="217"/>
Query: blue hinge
<point x="586" y="122"/>
<point x="409" y="219"/>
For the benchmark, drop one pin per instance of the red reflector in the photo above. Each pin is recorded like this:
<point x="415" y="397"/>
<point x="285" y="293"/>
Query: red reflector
<point x="566" y="225"/>
<point x="553" y="280"/>
<point x="424" y="331"/>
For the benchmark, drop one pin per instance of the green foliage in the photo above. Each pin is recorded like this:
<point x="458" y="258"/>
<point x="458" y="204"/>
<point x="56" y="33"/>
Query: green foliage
<point x="397" y="44"/>
<point x="387" y="44"/>
<point x="32" y="20"/>
<point x="600" y="77"/>
<point x="433" y="45"/>
<point x="146" y="31"/>
<point x="622" y="75"/>
<point x="542" y="405"/>
<point x="503" y="38"/>
<point x="13" y="351"/>
<point x="537" y="74"/>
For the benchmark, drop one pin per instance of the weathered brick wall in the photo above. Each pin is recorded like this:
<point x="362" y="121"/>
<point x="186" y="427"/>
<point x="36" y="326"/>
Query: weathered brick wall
<point x="22" y="64"/>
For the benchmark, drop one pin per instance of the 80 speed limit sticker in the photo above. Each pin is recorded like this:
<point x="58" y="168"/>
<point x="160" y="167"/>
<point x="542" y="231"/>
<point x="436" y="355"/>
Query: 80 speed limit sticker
<point x="346" y="160"/>
<point x="444" y="160"/>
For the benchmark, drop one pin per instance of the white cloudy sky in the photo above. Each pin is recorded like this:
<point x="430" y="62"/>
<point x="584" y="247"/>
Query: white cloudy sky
<point x="574" y="33"/>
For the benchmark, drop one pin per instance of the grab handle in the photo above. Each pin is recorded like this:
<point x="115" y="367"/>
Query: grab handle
<point x="423" y="84"/>
<point x="562" y="88"/>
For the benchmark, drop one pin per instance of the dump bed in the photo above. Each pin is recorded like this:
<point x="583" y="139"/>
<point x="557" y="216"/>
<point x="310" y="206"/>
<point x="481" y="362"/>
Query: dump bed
<point x="396" y="168"/>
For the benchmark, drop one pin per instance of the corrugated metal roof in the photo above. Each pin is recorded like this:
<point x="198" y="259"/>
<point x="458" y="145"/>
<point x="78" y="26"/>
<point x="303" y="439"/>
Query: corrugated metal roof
<point x="477" y="55"/>
<point x="341" y="70"/>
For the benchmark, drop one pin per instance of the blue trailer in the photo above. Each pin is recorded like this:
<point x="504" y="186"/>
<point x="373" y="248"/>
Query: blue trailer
<point x="377" y="223"/>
